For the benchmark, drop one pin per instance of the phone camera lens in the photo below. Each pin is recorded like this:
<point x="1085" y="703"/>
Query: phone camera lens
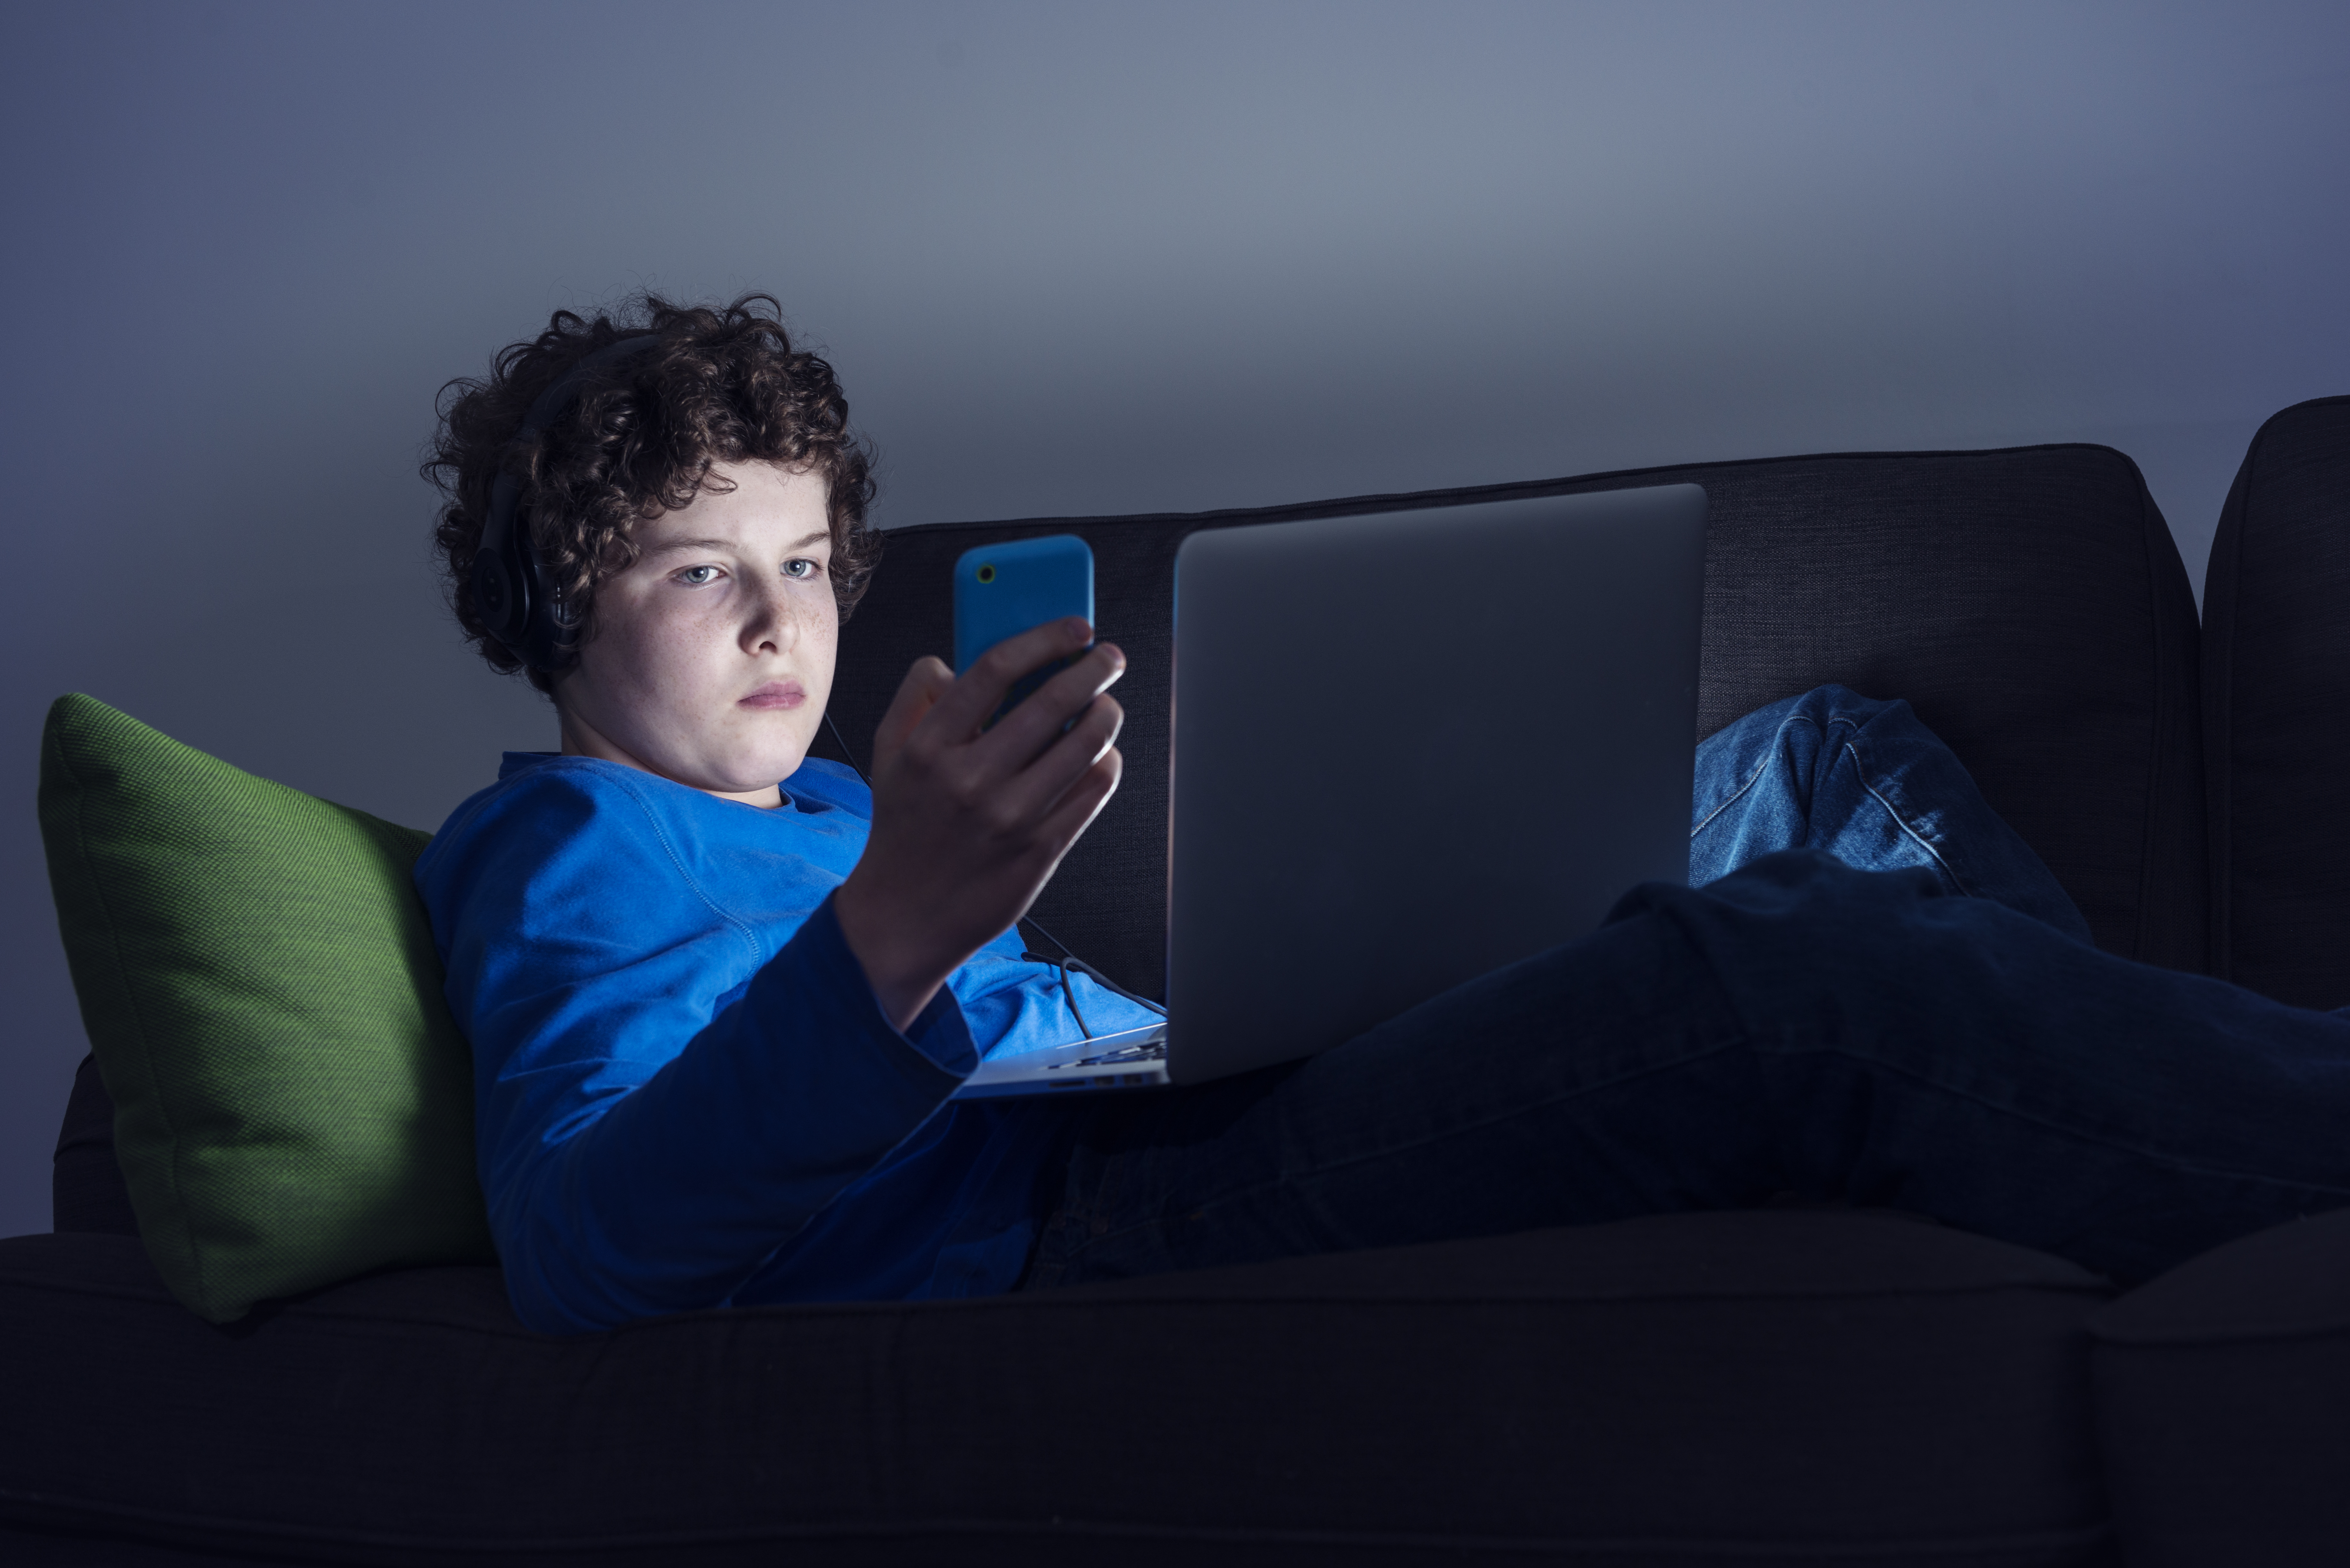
<point x="985" y="573"/>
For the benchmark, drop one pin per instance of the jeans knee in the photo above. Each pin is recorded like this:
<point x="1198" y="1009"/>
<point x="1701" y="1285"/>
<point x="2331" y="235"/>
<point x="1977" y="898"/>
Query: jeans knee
<point x="1743" y="742"/>
<point x="1831" y="704"/>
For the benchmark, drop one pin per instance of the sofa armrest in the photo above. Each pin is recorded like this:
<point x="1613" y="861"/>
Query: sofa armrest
<point x="87" y="1192"/>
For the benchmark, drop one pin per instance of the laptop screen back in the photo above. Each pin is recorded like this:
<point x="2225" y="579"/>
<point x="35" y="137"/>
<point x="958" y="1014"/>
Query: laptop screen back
<point x="1412" y="747"/>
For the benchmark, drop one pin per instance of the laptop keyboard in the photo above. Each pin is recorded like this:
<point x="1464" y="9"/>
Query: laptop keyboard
<point x="1151" y="1051"/>
<point x="1086" y="1070"/>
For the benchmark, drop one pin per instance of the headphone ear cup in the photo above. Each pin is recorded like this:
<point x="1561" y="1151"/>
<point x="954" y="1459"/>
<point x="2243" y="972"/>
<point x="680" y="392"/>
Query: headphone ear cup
<point x="539" y="623"/>
<point x="501" y="598"/>
<point x="517" y="603"/>
<point x="489" y="592"/>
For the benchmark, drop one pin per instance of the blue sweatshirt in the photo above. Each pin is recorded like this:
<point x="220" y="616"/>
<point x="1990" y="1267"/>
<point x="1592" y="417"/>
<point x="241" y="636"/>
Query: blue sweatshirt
<point x="685" y="1092"/>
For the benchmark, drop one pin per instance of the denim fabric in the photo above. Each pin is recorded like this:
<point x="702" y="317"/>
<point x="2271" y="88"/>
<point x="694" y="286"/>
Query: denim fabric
<point x="1865" y="781"/>
<point x="1872" y="1036"/>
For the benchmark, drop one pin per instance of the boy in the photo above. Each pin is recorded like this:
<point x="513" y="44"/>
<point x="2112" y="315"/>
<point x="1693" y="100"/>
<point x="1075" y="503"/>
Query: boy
<point x="716" y="1018"/>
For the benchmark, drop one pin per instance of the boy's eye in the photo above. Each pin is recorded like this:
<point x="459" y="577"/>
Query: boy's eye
<point x="801" y="568"/>
<point x="696" y="576"/>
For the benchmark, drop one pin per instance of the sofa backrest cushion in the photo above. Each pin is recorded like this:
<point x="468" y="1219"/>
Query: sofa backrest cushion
<point x="293" y="1104"/>
<point x="2276" y="711"/>
<point x="2029" y="603"/>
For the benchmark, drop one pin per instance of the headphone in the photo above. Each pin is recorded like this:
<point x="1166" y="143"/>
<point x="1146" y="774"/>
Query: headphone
<point x="516" y="603"/>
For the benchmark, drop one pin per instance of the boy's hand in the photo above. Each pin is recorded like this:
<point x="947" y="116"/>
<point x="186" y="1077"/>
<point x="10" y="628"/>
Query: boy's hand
<point x="968" y="826"/>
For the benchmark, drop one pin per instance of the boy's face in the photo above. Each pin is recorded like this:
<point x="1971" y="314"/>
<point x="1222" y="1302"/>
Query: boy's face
<point x="710" y="659"/>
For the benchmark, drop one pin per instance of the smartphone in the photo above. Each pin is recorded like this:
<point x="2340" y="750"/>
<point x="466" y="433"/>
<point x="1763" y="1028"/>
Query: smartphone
<point x="1002" y="590"/>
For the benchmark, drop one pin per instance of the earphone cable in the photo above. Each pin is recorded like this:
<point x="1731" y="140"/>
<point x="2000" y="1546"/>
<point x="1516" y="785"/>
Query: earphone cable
<point x="1089" y="970"/>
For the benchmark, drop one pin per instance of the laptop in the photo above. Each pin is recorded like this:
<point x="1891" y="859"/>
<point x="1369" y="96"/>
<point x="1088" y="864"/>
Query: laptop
<point x="1409" y="747"/>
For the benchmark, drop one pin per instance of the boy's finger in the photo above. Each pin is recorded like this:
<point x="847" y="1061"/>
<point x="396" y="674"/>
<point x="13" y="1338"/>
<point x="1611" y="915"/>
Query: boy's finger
<point x="1048" y="777"/>
<point x="980" y="689"/>
<point x="1076" y="810"/>
<point x="1032" y="727"/>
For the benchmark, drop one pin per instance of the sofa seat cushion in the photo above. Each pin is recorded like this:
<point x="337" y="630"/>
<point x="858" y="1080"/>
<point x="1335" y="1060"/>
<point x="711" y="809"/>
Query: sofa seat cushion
<point x="2223" y="1394"/>
<point x="1710" y="1388"/>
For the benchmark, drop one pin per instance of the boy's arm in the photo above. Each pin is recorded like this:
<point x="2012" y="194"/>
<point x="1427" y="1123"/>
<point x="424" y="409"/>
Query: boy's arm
<point x="651" y="1125"/>
<point x="675" y="1195"/>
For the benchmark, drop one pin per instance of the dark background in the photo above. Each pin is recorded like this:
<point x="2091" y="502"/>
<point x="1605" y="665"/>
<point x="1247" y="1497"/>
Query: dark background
<point x="1082" y="258"/>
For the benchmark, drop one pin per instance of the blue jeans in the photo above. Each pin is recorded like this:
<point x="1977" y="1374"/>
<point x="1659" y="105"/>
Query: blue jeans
<point x="1878" y="995"/>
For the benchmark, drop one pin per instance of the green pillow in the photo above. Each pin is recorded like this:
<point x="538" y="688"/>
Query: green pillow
<point x="293" y="1104"/>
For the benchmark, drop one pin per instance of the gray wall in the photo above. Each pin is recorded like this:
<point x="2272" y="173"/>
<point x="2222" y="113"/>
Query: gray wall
<point x="1069" y="258"/>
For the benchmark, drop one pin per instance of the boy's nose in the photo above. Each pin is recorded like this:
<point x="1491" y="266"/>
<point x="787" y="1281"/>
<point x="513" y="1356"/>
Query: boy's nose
<point x="770" y="621"/>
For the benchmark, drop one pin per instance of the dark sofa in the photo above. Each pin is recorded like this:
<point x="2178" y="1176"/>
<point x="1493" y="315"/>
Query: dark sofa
<point x="1782" y="1385"/>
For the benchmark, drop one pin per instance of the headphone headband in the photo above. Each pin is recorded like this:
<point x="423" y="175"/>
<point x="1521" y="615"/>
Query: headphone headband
<point x="512" y="594"/>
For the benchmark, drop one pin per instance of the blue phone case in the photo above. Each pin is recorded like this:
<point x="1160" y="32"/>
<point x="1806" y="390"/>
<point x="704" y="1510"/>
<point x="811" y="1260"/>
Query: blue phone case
<point x="1002" y="590"/>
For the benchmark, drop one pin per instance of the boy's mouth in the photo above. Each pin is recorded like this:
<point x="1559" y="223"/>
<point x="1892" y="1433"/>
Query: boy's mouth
<point x="776" y="694"/>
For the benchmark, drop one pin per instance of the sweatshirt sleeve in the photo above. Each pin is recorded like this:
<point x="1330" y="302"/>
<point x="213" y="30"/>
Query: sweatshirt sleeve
<point x="662" y="1103"/>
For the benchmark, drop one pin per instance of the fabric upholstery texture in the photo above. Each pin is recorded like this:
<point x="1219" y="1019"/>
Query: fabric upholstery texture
<point x="2276" y="687"/>
<point x="2221" y="1389"/>
<point x="2029" y="603"/>
<point x="292" y="1104"/>
<point x="1716" y="1389"/>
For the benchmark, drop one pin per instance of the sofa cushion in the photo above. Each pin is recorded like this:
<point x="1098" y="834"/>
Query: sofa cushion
<point x="2029" y="603"/>
<point x="2223" y="1404"/>
<point x="292" y="1103"/>
<point x="1710" y="1388"/>
<point x="2277" y="714"/>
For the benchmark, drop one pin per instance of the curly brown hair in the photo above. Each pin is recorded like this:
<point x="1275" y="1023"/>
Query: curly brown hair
<point x="719" y="385"/>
